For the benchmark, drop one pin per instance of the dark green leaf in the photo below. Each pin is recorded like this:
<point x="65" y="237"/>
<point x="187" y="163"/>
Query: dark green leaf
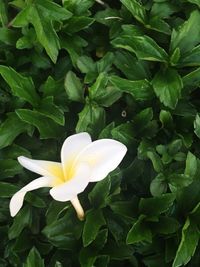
<point x="139" y="232"/>
<point x="156" y="205"/>
<point x="8" y="133"/>
<point x="94" y="221"/>
<point x="46" y="127"/>
<point x="99" y="193"/>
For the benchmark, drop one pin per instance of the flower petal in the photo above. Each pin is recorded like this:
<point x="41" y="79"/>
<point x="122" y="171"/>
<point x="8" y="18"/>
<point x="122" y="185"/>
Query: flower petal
<point x="74" y="186"/>
<point x="16" y="201"/>
<point x="72" y="146"/>
<point x="42" y="167"/>
<point x="103" y="156"/>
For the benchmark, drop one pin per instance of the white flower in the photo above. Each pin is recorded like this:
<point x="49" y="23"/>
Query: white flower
<point x="82" y="161"/>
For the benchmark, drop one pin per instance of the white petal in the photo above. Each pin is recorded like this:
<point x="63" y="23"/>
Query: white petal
<point x="42" y="167"/>
<point x="71" y="148"/>
<point x="103" y="156"/>
<point x="16" y="201"/>
<point x="74" y="186"/>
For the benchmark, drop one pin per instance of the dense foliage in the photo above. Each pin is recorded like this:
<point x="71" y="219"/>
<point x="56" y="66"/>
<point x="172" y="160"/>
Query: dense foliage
<point x="127" y="70"/>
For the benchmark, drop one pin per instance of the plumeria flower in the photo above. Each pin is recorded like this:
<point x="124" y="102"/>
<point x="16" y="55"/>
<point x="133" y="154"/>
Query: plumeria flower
<point x="82" y="161"/>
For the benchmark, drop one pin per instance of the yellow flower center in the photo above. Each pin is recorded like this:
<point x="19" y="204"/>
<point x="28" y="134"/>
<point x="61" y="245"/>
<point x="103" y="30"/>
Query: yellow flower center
<point x="62" y="176"/>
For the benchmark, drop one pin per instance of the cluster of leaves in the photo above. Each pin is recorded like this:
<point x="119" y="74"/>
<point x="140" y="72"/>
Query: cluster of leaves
<point x="123" y="69"/>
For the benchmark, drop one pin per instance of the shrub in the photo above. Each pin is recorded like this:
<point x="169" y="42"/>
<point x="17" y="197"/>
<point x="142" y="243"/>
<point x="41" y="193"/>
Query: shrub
<point x="127" y="70"/>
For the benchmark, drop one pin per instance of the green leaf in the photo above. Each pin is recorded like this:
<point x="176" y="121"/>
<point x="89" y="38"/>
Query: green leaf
<point x="159" y="25"/>
<point x="165" y="225"/>
<point x="197" y="2"/>
<point x="53" y="11"/>
<point x="191" y="165"/>
<point x="8" y="133"/>
<point x="140" y="90"/>
<point x="94" y="221"/>
<point x="46" y="126"/>
<point x="91" y="119"/>
<point x="156" y="161"/>
<point x="139" y="232"/>
<point x="158" y="185"/>
<point x="43" y="27"/>
<point x="21" y="86"/>
<point x="77" y="23"/>
<point x="156" y="205"/>
<point x="7" y="190"/>
<point x="143" y="46"/>
<point x="73" y="87"/>
<point x="3" y="13"/>
<point x="180" y="38"/>
<point x="166" y="119"/>
<point x="191" y="58"/>
<point x="9" y="168"/>
<point x="188" y="244"/>
<point x="8" y="36"/>
<point x="86" y="64"/>
<point x="102" y="93"/>
<point x="124" y="133"/>
<point x="22" y="220"/>
<point x="167" y="86"/>
<point x="50" y="110"/>
<point x="192" y="79"/>
<point x="34" y="259"/>
<point x="99" y="193"/>
<point x="124" y="62"/>
<point x="136" y="9"/>
<point x="197" y="125"/>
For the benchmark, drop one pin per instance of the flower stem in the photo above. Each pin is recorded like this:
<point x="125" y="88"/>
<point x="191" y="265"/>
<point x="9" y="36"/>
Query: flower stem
<point x="79" y="210"/>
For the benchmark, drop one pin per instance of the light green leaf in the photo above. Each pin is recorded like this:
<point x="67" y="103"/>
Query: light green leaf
<point x="43" y="27"/>
<point x="34" y="259"/>
<point x="191" y="165"/>
<point x="53" y="11"/>
<point x="140" y="90"/>
<point x="77" y="23"/>
<point x="21" y="86"/>
<point x="136" y="9"/>
<point x="188" y="244"/>
<point x="143" y="46"/>
<point x="197" y="125"/>
<point x="188" y="28"/>
<point x="73" y="87"/>
<point x="167" y="86"/>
